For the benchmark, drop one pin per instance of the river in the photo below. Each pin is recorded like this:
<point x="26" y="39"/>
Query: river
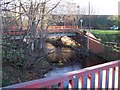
<point x="60" y="71"/>
<point x="71" y="61"/>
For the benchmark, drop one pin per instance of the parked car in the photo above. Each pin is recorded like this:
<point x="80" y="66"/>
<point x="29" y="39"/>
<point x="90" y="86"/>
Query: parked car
<point x="114" y="27"/>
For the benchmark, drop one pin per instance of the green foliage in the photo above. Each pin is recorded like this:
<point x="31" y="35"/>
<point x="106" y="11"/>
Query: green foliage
<point x="6" y="82"/>
<point x="12" y="55"/>
<point x="107" y="36"/>
<point x="105" y="32"/>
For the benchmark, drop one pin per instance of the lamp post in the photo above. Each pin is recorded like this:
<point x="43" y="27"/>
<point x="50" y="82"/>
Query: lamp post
<point x="81" y="22"/>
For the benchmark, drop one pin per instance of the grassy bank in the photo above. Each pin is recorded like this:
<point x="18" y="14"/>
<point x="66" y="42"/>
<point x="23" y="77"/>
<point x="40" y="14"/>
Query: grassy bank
<point x="105" y="31"/>
<point x="109" y="37"/>
<point x="111" y="40"/>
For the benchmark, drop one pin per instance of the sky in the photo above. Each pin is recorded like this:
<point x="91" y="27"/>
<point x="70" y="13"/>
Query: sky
<point x="104" y="7"/>
<point x="101" y="7"/>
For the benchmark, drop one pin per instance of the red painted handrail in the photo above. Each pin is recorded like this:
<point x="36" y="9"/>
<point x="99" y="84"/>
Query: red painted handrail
<point x="110" y="68"/>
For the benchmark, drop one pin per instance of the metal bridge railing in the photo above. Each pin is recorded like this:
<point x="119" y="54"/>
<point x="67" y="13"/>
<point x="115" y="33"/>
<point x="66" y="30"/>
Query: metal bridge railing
<point x="106" y="75"/>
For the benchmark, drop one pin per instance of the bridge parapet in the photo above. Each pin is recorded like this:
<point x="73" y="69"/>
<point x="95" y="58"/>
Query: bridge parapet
<point x="52" y="29"/>
<point x="63" y="27"/>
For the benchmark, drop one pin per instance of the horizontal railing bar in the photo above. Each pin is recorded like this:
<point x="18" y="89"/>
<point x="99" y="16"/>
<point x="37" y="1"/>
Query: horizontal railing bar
<point x="94" y="69"/>
<point x="40" y="83"/>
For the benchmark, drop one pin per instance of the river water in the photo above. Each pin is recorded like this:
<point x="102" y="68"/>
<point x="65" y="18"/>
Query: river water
<point x="76" y="62"/>
<point x="60" y="71"/>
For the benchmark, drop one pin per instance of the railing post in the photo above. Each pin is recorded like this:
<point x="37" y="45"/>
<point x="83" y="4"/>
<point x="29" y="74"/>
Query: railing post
<point x="89" y="81"/>
<point x="104" y="78"/>
<point x="97" y="80"/>
<point x="110" y="78"/>
<point x="71" y="85"/>
<point x="60" y="86"/>
<point x="113" y="77"/>
<point x="118" y="75"/>
<point x="80" y="83"/>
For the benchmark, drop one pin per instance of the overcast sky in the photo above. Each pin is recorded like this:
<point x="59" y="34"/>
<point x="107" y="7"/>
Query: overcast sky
<point x="101" y="7"/>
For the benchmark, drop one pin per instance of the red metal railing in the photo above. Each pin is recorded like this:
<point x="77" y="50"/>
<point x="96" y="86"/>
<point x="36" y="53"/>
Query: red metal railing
<point x="110" y="78"/>
<point x="51" y="29"/>
<point x="63" y="27"/>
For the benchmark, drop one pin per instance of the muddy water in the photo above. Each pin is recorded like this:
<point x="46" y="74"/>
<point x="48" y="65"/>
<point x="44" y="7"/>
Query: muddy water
<point x="69" y="60"/>
<point x="62" y="70"/>
<point x="80" y="64"/>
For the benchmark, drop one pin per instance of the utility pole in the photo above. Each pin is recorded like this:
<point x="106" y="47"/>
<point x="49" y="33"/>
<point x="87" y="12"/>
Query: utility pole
<point x="1" y="32"/>
<point x="119" y="15"/>
<point x="89" y="26"/>
<point x="88" y="41"/>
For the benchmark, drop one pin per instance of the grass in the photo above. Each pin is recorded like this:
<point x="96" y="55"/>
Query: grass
<point x="105" y="31"/>
<point x="108" y="36"/>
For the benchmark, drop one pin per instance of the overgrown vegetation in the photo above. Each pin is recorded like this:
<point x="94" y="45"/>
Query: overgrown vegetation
<point x="23" y="45"/>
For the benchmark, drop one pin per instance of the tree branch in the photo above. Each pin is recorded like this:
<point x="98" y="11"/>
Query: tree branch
<point x="53" y="7"/>
<point x="22" y="7"/>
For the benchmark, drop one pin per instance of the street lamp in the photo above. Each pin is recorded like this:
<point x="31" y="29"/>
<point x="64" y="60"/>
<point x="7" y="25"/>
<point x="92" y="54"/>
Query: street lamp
<point x="81" y="21"/>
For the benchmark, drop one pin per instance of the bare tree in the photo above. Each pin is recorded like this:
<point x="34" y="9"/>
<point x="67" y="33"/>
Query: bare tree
<point x="32" y="43"/>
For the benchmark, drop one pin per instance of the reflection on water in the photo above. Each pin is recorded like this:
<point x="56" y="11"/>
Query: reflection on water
<point x="60" y="71"/>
